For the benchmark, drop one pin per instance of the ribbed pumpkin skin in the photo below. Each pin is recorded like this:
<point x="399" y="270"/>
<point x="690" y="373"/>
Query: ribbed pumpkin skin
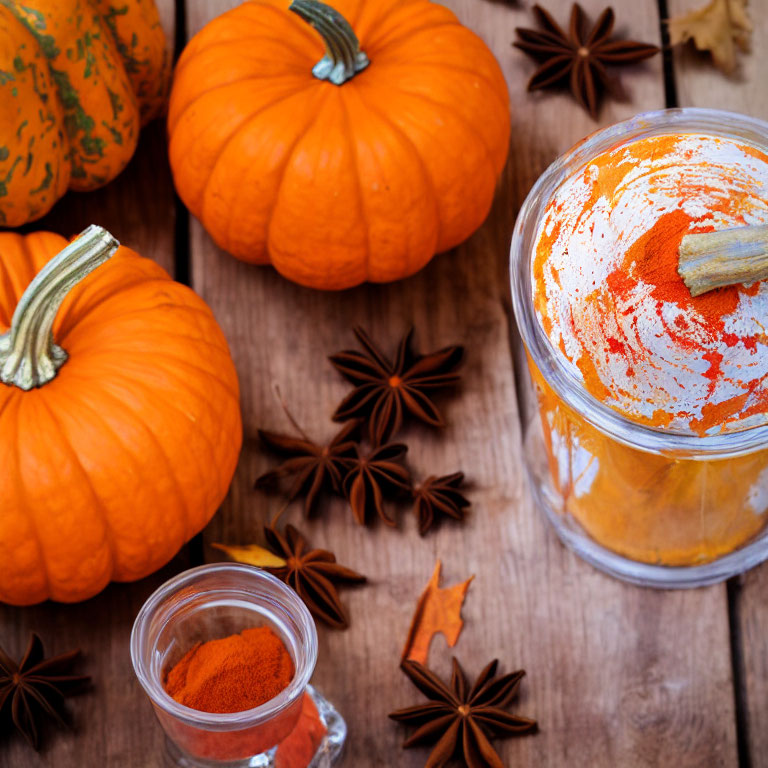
<point x="108" y="469"/>
<point x="76" y="79"/>
<point x="337" y="185"/>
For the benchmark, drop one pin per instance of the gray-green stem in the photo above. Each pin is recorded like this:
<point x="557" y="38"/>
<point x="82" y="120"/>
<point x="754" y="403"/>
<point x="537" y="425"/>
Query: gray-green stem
<point x="343" y="58"/>
<point x="29" y="356"/>
<point x="712" y="260"/>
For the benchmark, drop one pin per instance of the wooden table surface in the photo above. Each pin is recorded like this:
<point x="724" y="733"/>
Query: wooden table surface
<point x="618" y="676"/>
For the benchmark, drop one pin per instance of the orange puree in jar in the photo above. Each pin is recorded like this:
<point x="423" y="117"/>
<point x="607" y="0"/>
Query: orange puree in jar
<point x="607" y="294"/>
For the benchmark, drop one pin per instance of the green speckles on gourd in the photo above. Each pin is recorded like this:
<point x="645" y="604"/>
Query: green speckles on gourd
<point x="8" y="176"/>
<point x="67" y="93"/>
<point x="116" y="135"/>
<point x="128" y="52"/>
<point x="77" y="121"/>
<point x="47" y="119"/>
<point x="20" y="67"/>
<point x="93" y="145"/>
<point x="46" y="182"/>
<point x="116" y="102"/>
<point x="77" y="100"/>
<point x="84" y="52"/>
<point x="36" y="18"/>
<point x="35" y="22"/>
<point x="80" y="61"/>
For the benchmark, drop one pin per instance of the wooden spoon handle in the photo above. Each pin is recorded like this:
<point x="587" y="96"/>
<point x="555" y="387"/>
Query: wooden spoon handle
<point x="714" y="259"/>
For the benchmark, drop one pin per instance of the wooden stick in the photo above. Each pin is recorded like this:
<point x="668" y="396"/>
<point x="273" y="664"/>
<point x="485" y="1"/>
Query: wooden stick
<point x="714" y="259"/>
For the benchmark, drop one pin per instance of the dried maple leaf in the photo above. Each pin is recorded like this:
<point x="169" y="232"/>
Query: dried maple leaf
<point x="438" y="610"/>
<point x="385" y="390"/>
<point x="373" y="476"/>
<point x="460" y="719"/>
<point x="252" y="554"/>
<point x="315" y="467"/>
<point x="312" y="573"/>
<point x="35" y="688"/>
<point x="439" y="496"/>
<point x="720" y="27"/>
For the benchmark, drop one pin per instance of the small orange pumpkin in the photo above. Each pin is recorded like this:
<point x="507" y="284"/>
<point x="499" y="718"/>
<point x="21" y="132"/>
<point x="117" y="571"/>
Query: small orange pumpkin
<point x="353" y="165"/>
<point x="118" y="441"/>
<point x="77" y="79"/>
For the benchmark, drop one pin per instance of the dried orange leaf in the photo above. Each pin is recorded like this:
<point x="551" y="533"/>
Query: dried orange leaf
<point x="252" y="555"/>
<point x="719" y="27"/>
<point x="438" y="610"/>
<point x="301" y="744"/>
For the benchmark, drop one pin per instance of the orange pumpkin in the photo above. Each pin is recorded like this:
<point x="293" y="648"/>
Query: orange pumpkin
<point x="77" y="78"/>
<point x="353" y="165"/>
<point x="118" y="441"/>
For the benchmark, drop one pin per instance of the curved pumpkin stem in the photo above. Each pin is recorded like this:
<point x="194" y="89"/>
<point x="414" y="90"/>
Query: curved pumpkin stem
<point x="29" y="357"/>
<point x="343" y="58"/>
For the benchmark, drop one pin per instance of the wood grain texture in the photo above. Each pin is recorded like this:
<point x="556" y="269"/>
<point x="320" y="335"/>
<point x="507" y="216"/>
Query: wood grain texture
<point x="114" y="725"/>
<point x="617" y="676"/>
<point x="700" y="85"/>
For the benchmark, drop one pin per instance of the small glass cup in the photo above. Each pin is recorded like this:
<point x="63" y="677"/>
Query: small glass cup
<point x="652" y="491"/>
<point x="215" y="601"/>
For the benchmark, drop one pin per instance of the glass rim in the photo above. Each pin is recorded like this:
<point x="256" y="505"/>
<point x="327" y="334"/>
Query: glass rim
<point x="547" y="359"/>
<point x="224" y="721"/>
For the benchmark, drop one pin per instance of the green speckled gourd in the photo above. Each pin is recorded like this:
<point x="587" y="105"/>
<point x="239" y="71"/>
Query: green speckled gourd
<point x="77" y="80"/>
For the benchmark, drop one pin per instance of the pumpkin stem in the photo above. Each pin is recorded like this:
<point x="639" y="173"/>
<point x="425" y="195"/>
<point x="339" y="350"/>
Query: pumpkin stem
<point x="343" y="58"/>
<point x="29" y="357"/>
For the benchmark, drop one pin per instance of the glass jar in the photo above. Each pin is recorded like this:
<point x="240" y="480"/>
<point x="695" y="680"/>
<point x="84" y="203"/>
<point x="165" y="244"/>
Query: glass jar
<point x="215" y="601"/>
<point x="651" y="505"/>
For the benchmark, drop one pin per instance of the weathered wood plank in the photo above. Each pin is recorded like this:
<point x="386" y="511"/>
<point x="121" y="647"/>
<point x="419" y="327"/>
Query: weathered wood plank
<point x="114" y="723"/>
<point x="700" y="85"/>
<point x="616" y="675"/>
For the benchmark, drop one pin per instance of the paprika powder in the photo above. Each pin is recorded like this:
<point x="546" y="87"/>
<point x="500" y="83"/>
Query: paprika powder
<point x="232" y="674"/>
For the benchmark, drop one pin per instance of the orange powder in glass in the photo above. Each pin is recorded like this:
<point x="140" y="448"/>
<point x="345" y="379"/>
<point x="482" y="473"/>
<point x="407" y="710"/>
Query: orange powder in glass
<point x="608" y="294"/>
<point x="232" y="674"/>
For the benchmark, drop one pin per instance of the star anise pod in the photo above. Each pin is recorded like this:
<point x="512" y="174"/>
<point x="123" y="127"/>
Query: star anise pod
<point x="312" y="573"/>
<point x="374" y="476"/>
<point x="35" y="688"/>
<point x="386" y="389"/>
<point x="316" y="467"/>
<point x="462" y="719"/>
<point x="578" y="57"/>
<point x="439" y="495"/>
